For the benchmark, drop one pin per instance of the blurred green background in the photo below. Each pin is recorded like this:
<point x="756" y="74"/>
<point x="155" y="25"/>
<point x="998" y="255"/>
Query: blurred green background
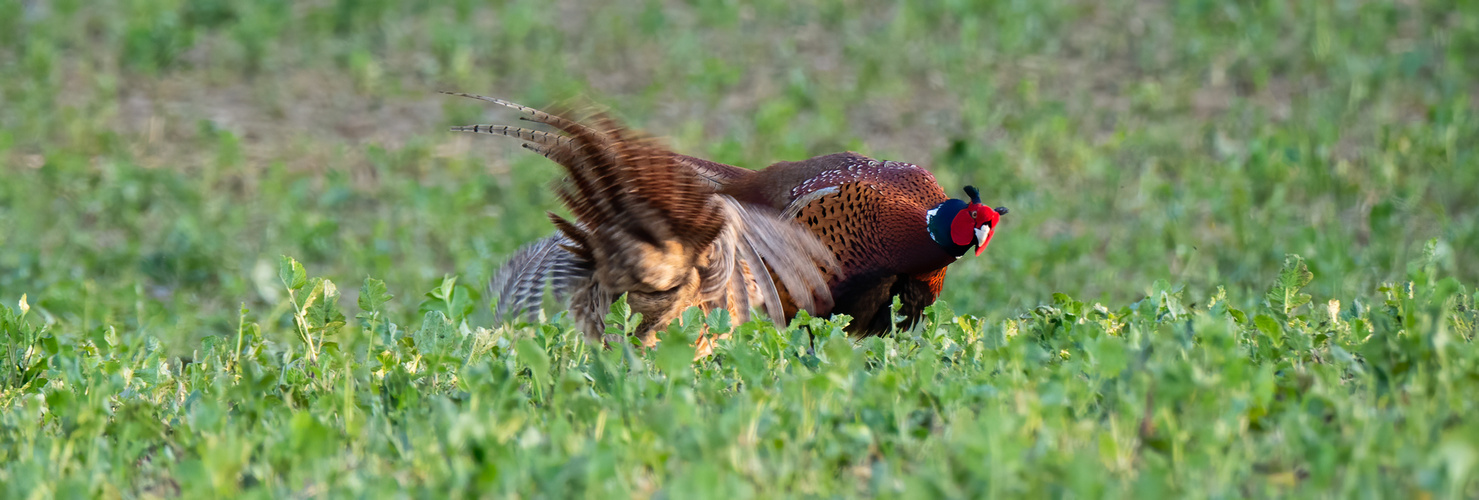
<point x="177" y="145"/>
<point x="158" y="156"/>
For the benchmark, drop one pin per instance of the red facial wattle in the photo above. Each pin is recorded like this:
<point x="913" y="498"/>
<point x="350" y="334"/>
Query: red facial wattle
<point x="963" y="228"/>
<point x="973" y="225"/>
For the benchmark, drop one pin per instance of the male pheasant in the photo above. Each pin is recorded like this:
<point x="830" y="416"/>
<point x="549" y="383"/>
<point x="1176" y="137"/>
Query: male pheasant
<point x="834" y="234"/>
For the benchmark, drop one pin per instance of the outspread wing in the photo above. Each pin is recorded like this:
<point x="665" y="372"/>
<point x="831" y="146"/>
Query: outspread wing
<point x="649" y="223"/>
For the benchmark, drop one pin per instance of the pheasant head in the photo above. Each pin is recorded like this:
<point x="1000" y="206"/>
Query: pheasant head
<point x="957" y="225"/>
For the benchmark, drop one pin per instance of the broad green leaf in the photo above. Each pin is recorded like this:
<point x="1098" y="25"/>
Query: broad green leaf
<point x="675" y="351"/>
<point x="718" y="321"/>
<point x="621" y="321"/>
<point x="1109" y="354"/>
<point x="1270" y="328"/>
<point x="1284" y="297"/>
<point x="839" y="351"/>
<point x="292" y="274"/>
<point x="372" y="295"/>
<point x="534" y="356"/>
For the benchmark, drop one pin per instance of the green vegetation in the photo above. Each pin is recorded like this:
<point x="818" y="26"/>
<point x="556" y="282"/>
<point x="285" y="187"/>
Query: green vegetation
<point x="1239" y="259"/>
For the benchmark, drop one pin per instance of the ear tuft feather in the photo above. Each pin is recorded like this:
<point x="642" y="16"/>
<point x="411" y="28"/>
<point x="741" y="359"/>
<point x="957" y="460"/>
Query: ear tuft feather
<point x="974" y="194"/>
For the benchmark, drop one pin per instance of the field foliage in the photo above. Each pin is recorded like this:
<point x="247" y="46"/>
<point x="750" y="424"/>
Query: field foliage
<point x="240" y="254"/>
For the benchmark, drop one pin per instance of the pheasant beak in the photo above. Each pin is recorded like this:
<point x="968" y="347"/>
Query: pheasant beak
<point x="983" y="235"/>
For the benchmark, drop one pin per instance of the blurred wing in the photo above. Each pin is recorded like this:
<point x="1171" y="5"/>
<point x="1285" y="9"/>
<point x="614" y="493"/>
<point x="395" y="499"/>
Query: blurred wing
<point x="766" y="261"/>
<point x="649" y="223"/>
<point x="520" y="284"/>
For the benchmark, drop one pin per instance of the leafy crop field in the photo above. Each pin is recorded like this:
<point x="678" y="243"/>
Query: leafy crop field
<point x="240" y="255"/>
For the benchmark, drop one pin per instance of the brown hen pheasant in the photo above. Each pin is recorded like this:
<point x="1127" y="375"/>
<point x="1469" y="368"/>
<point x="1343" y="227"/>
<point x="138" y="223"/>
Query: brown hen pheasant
<point x="835" y="234"/>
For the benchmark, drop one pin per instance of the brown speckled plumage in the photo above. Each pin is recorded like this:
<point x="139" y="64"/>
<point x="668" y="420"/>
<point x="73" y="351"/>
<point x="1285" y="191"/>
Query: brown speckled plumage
<point x="871" y="215"/>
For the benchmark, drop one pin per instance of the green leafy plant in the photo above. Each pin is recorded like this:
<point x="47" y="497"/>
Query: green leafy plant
<point x="1238" y="262"/>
